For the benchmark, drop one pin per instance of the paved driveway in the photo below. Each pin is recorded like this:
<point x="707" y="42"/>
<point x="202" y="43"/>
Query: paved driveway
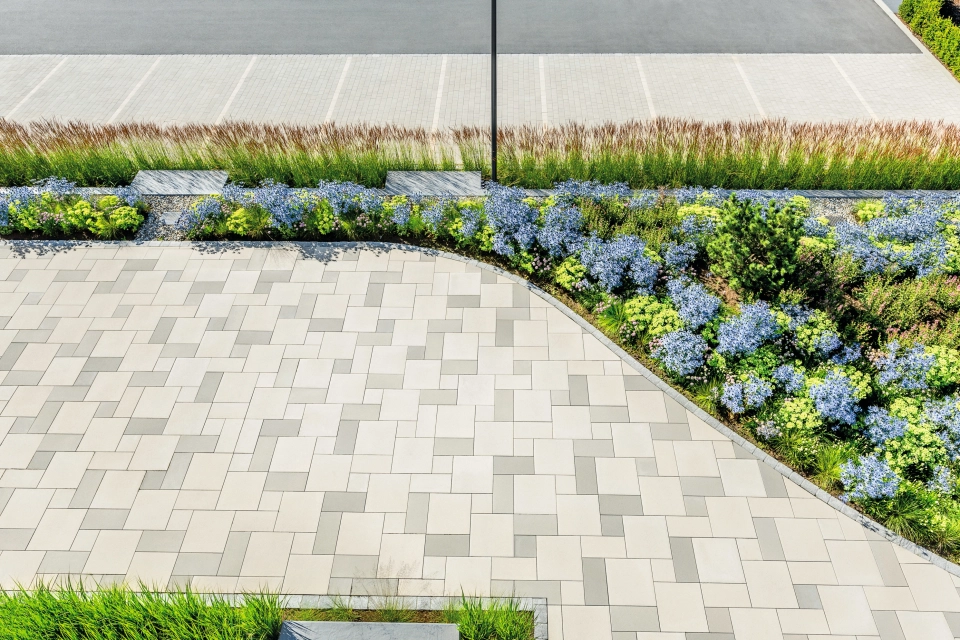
<point x="447" y="26"/>
<point x="232" y="418"/>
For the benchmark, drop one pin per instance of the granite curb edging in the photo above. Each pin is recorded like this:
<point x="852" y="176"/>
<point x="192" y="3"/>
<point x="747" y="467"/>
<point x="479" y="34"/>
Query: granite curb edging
<point x="874" y="527"/>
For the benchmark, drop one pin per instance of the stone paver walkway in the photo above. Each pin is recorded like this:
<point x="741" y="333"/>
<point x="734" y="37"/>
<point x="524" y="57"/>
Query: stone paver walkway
<point x="441" y="91"/>
<point x="326" y="421"/>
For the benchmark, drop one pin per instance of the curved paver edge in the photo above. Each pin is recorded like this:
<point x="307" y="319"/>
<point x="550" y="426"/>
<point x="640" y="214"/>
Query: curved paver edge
<point x="685" y="402"/>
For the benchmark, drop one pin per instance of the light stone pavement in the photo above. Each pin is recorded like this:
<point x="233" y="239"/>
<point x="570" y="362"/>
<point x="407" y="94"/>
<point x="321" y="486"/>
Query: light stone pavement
<point x="441" y="91"/>
<point x="327" y="420"/>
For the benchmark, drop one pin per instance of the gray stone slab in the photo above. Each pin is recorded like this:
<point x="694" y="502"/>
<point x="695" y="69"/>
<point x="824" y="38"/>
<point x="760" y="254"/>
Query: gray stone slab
<point x="179" y="183"/>
<point x="434" y="183"/>
<point x="367" y="631"/>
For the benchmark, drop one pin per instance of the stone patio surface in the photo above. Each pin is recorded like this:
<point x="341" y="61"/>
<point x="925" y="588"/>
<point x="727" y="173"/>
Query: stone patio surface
<point x="323" y="420"/>
<point x="441" y="91"/>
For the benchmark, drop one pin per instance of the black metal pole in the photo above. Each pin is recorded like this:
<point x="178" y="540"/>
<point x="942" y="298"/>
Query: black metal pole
<point x="493" y="89"/>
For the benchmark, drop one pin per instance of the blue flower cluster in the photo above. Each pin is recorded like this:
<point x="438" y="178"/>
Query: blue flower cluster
<point x="59" y="187"/>
<point x="789" y="377"/>
<point x="881" y="426"/>
<point x="616" y="262"/>
<point x="945" y="415"/>
<point x="678" y="256"/>
<point x="738" y="396"/>
<point x="560" y="233"/>
<point x="347" y="198"/>
<point x="746" y="332"/>
<point x="681" y="352"/>
<point x="199" y="213"/>
<point x="697" y="229"/>
<point x="908" y="235"/>
<point x="908" y="370"/>
<point x="693" y="302"/>
<point x="941" y="480"/>
<point x="514" y="222"/>
<point x="433" y="214"/>
<point x="835" y="398"/>
<point x="871" y="477"/>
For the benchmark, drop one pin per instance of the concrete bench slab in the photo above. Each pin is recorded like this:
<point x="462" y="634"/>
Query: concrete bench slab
<point x="179" y="183"/>
<point x="367" y="631"/>
<point x="434" y="183"/>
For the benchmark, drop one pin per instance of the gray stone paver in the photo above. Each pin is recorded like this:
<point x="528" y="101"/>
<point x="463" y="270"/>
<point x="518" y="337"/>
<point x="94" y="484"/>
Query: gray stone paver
<point x="403" y="89"/>
<point x="322" y="421"/>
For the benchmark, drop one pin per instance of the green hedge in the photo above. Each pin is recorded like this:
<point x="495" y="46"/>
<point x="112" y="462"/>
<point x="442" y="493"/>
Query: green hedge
<point x="940" y="34"/>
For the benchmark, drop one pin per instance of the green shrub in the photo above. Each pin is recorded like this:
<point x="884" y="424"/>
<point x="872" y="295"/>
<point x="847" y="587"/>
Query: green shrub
<point x="940" y="34"/>
<point x="50" y="215"/>
<point x="755" y="246"/>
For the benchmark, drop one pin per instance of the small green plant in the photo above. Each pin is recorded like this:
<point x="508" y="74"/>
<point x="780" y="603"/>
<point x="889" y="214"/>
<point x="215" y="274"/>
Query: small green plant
<point x="755" y="246"/>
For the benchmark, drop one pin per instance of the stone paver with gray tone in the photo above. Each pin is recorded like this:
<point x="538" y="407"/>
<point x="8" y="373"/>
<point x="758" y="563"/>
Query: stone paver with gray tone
<point x="323" y="420"/>
<point x="441" y="91"/>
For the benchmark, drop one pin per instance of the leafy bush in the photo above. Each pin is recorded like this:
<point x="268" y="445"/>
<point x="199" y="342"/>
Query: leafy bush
<point x="926" y="19"/>
<point x="755" y="246"/>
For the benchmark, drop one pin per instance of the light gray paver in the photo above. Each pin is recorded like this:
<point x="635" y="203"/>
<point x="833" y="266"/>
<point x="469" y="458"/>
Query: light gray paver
<point x="381" y="421"/>
<point x="441" y="91"/>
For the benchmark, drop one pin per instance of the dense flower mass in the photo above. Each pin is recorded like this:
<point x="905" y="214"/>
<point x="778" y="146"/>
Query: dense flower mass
<point x="881" y="426"/>
<point x="745" y="333"/>
<point x="789" y="377"/>
<point x="693" y="302"/>
<point x="681" y="352"/>
<point x="678" y="256"/>
<point x="907" y="369"/>
<point x="835" y="398"/>
<point x="620" y="261"/>
<point x="560" y="232"/>
<point x="871" y="477"/>
<point x="944" y="414"/>
<point x="740" y="396"/>
<point x="511" y="218"/>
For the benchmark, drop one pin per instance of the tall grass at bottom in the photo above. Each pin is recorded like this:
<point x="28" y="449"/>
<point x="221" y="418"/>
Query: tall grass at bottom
<point x="119" y="613"/>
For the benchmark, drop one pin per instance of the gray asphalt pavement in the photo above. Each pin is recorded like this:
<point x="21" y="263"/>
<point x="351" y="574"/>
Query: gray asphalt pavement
<point x="446" y="26"/>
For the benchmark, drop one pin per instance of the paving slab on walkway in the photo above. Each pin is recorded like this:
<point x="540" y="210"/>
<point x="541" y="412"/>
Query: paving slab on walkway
<point x="330" y="421"/>
<point x="441" y="91"/>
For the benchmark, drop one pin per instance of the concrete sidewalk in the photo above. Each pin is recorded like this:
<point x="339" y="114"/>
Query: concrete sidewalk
<point x="440" y="91"/>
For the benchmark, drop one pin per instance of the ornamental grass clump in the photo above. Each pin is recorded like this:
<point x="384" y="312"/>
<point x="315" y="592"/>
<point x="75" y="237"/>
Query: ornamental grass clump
<point x="766" y="154"/>
<point x="119" y="613"/>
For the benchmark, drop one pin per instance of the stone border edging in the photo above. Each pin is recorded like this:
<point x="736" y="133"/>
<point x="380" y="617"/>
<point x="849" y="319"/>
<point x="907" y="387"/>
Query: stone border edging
<point x="838" y="505"/>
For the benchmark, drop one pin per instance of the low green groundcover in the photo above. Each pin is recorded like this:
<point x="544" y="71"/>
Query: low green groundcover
<point x="119" y="613"/>
<point x="53" y="209"/>
<point x="833" y="345"/>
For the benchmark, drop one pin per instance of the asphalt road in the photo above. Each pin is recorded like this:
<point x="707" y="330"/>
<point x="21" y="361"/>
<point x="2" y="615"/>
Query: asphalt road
<point x="446" y="26"/>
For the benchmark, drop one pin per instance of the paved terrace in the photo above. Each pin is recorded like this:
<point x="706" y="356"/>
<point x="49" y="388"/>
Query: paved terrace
<point x="440" y="91"/>
<point x="325" y="421"/>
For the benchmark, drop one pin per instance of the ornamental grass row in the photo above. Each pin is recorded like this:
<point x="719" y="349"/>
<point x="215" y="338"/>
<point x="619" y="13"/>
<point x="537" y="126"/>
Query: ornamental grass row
<point x="119" y="613"/>
<point x="769" y="154"/>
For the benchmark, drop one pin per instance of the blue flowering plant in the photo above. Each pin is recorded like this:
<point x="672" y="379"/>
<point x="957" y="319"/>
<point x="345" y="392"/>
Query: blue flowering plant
<point x="54" y="208"/>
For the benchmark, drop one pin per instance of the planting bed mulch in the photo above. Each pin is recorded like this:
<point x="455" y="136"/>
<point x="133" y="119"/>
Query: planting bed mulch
<point x="362" y="615"/>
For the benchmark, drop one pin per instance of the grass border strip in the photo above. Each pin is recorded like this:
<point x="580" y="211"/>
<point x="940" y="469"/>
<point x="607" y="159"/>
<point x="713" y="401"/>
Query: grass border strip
<point x="881" y="532"/>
